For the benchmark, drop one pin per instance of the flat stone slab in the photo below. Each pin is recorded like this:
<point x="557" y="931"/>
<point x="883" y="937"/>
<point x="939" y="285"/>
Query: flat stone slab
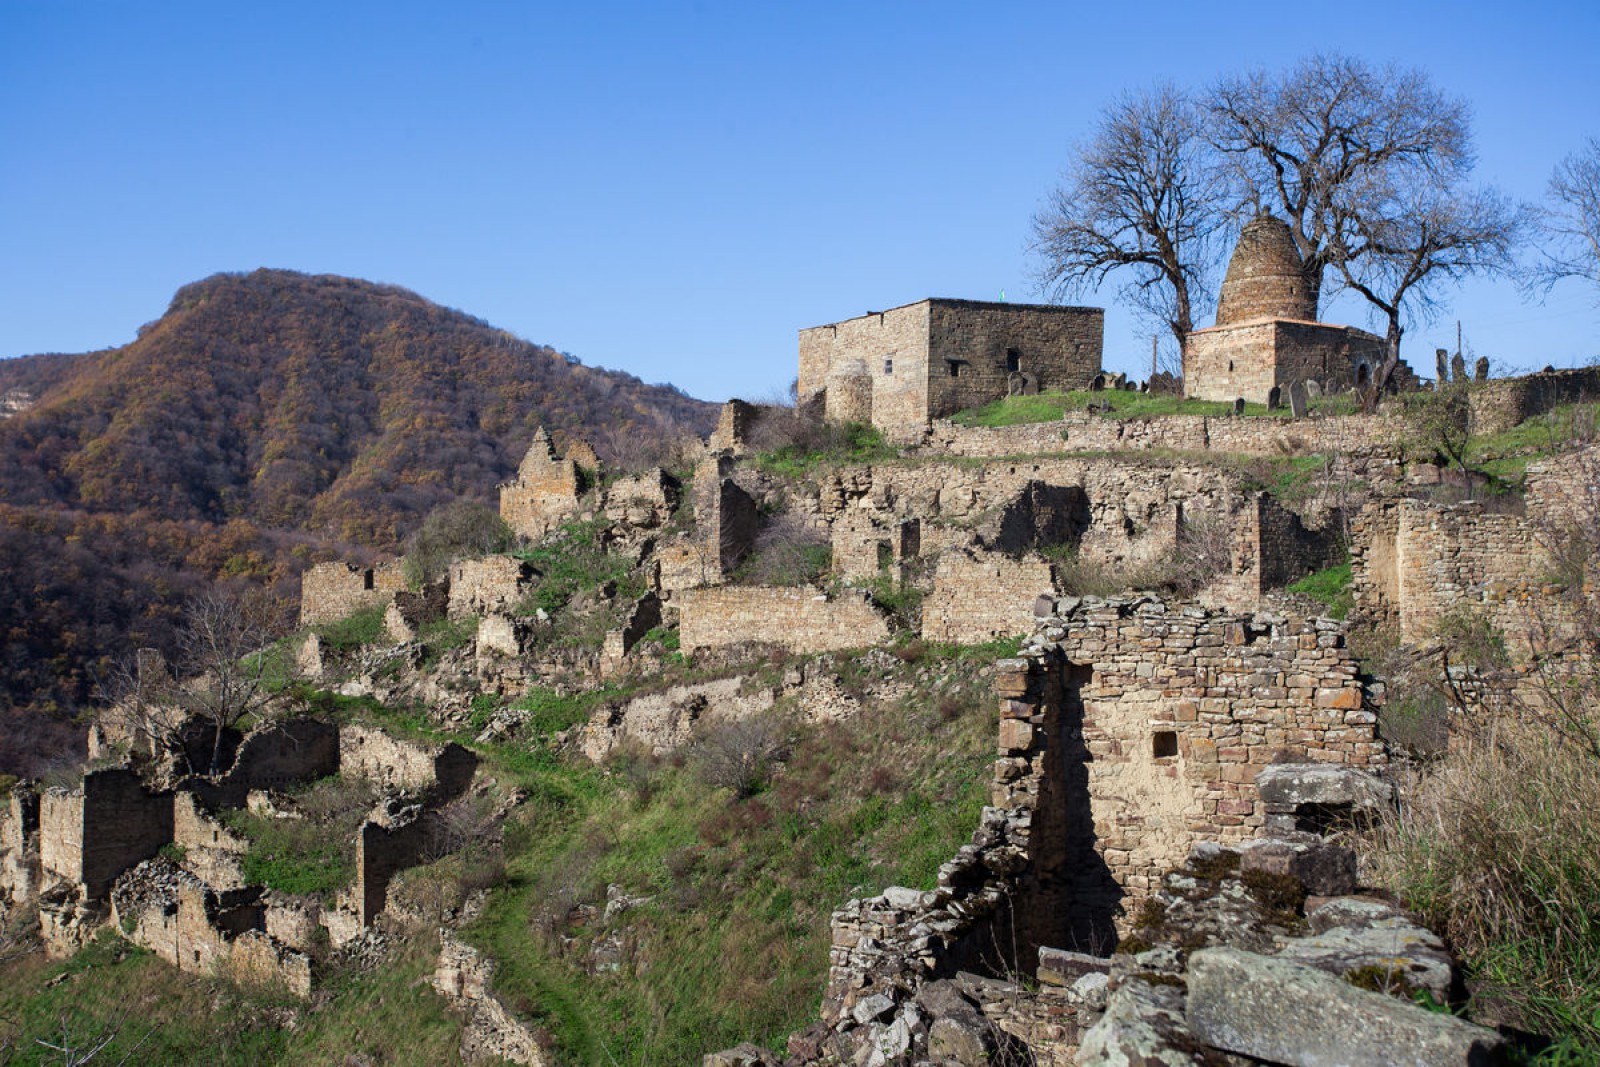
<point x="1288" y="1013"/>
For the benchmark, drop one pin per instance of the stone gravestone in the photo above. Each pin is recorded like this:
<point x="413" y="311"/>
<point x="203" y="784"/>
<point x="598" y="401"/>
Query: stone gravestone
<point x="1238" y="406"/>
<point x="1480" y="369"/>
<point x="1442" y="358"/>
<point x="1313" y="389"/>
<point x="1098" y="384"/>
<point x="1275" y="398"/>
<point x="1297" y="400"/>
<point x="1458" y="368"/>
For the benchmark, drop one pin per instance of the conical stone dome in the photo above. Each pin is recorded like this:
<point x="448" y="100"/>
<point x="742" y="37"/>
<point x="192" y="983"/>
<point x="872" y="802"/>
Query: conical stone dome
<point x="1264" y="280"/>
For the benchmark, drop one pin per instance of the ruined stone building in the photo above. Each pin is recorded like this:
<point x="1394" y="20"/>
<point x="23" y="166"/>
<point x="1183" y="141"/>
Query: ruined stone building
<point x="545" y="492"/>
<point x="899" y="368"/>
<point x="1267" y="334"/>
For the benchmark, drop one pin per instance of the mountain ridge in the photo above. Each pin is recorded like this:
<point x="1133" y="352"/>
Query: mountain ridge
<point x="265" y="421"/>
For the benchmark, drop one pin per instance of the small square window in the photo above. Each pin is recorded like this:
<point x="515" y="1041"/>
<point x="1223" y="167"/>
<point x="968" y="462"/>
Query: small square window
<point x="1013" y="361"/>
<point x="1165" y="744"/>
<point x="888" y="366"/>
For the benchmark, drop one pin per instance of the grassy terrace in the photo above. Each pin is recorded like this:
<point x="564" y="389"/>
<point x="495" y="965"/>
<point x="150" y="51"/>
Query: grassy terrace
<point x="1047" y="407"/>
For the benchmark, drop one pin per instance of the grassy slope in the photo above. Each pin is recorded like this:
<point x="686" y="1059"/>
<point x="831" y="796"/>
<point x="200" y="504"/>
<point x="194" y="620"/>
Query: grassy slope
<point x="732" y="945"/>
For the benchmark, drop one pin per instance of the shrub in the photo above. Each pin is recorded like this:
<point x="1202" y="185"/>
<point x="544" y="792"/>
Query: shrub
<point x="789" y="550"/>
<point x="739" y="755"/>
<point x="450" y="532"/>
<point x="1499" y="851"/>
<point x="352" y="632"/>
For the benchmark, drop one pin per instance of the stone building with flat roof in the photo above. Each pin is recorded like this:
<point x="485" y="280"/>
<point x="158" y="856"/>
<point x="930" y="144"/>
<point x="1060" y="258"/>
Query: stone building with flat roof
<point x="1267" y="335"/>
<point x="898" y="369"/>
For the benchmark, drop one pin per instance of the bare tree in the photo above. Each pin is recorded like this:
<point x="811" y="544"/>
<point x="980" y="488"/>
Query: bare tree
<point x="1570" y="221"/>
<point x="1394" y="239"/>
<point x="141" y="701"/>
<point x="221" y="653"/>
<point x="1142" y="198"/>
<point x="1300" y="141"/>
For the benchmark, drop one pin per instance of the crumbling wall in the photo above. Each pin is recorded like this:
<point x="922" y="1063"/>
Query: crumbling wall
<point x="211" y="850"/>
<point x="405" y="766"/>
<point x="333" y="591"/>
<point x="978" y="597"/>
<point x="545" y="491"/>
<point x="735" y="423"/>
<point x="19" y="848"/>
<point x="1181" y="708"/>
<point x="644" y="500"/>
<point x="1413" y="563"/>
<point x="199" y="930"/>
<point x="384" y="849"/>
<point x="1501" y="403"/>
<point x="90" y="835"/>
<point x="980" y="352"/>
<point x="487" y="585"/>
<point x="801" y="619"/>
<point x="410" y="612"/>
<point x="1364" y="435"/>
<point x="275" y="755"/>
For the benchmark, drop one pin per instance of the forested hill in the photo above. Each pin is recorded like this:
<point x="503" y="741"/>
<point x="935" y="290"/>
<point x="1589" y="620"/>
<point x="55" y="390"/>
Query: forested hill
<point x="306" y="402"/>
<point x="266" y="420"/>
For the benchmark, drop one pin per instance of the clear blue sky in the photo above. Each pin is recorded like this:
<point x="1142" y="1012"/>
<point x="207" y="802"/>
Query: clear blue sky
<point x="671" y="189"/>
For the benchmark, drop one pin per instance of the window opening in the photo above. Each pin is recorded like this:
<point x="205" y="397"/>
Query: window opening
<point x="1013" y="361"/>
<point x="1165" y="743"/>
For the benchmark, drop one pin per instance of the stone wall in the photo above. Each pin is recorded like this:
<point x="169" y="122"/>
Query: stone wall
<point x="90" y="835"/>
<point x="1502" y="403"/>
<point x="19" y="850"/>
<point x="979" y="352"/>
<point x="333" y="591"/>
<point x="1413" y="563"/>
<point x="1171" y="713"/>
<point x="275" y="755"/>
<point x="488" y="584"/>
<point x="978" y="597"/>
<point x="801" y="619"/>
<point x="405" y="766"/>
<point x="545" y="492"/>
<point x="211" y="850"/>
<point x="734" y="425"/>
<point x="1243" y="435"/>
<point x="644" y="500"/>
<point x="201" y="931"/>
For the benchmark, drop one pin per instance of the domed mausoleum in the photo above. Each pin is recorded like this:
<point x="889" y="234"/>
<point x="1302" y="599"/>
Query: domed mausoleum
<point x="1267" y="335"/>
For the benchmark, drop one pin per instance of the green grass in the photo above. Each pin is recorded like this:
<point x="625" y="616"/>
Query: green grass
<point x="573" y="562"/>
<point x="1047" y="407"/>
<point x="1505" y="456"/>
<point x="353" y="631"/>
<point x="154" y="1015"/>
<point x="1330" y="587"/>
<point x="313" y="854"/>
<point x="855" y="443"/>
<point x="733" y="943"/>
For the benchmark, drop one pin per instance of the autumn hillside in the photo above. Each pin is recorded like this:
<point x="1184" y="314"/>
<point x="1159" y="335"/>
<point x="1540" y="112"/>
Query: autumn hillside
<point x="265" y="420"/>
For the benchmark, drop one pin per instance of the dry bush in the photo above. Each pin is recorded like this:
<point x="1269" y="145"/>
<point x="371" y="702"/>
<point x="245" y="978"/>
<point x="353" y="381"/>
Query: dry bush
<point x="740" y="754"/>
<point x="1498" y="848"/>
<point x="789" y="550"/>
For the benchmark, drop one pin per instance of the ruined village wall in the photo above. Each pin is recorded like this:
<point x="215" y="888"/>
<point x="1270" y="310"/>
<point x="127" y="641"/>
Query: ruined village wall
<point x="801" y="619"/>
<point x="404" y="765"/>
<point x="978" y="598"/>
<point x="1244" y="436"/>
<point x="333" y="591"/>
<point x="975" y="348"/>
<point x="1413" y="563"/>
<point x="92" y="834"/>
<point x="488" y="584"/>
<point x="273" y="756"/>
<point x="1178" y="710"/>
<point x="1501" y="403"/>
